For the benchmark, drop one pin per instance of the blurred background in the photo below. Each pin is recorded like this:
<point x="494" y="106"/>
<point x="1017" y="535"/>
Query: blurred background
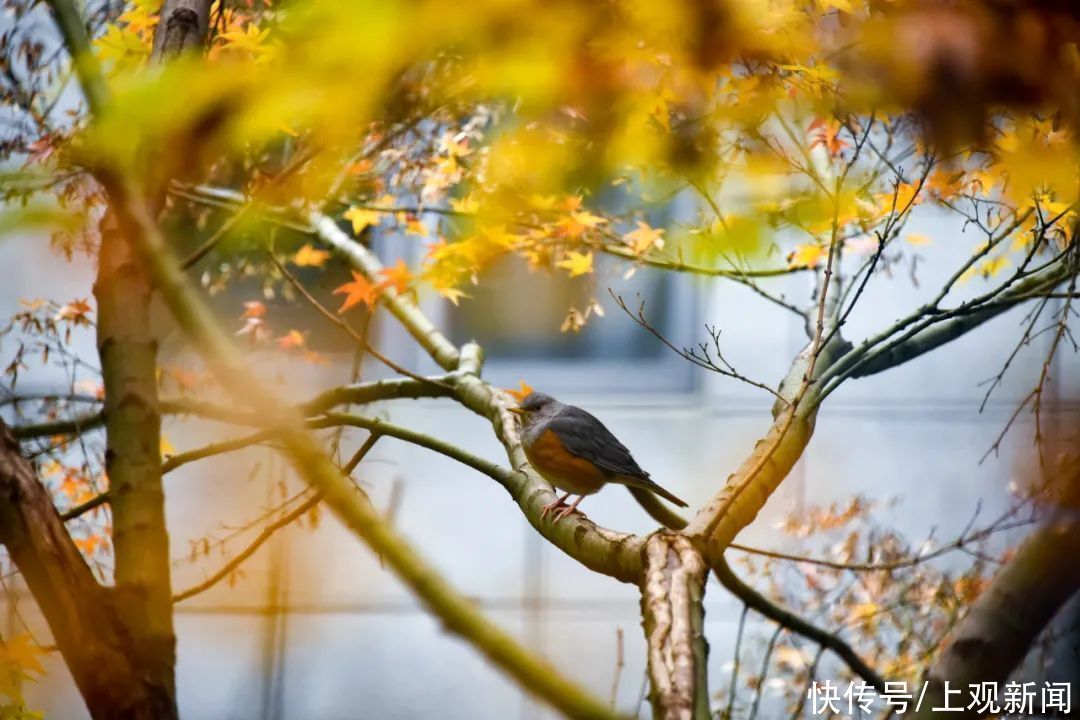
<point x="314" y="627"/>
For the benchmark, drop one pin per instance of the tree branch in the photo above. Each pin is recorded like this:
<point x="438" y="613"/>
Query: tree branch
<point x="998" y="630"/>
<point x="789" y="620"/>
<point x="405" y="310"/>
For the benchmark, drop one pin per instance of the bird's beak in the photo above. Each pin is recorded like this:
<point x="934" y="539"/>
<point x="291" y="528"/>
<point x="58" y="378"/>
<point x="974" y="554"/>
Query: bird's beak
<point x="518" y="411"/>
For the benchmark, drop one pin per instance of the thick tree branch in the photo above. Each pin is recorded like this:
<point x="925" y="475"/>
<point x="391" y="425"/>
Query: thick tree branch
<point x="672" y="589"/>
<point x="997" y="632"/>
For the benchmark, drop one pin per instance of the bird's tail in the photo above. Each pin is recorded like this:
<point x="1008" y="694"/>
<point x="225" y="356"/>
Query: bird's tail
<point x="647" y="484"/>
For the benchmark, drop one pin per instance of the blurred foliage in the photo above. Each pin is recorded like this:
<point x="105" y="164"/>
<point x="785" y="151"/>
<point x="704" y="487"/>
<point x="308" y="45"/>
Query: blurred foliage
<point x="508" y="127"/>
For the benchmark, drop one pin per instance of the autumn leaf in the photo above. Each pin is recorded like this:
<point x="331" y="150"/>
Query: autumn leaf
<point x="397" y="277"/>
<point x="76" y="312"/>
<point x="415" y="226"/>
<point x="361" y="219"/>
<point x="253" y="309"/>
<point x="521" y="392"/>
<point x="71" y="485"/>
<point x="90" y="544"/>
<point x="827" y="135"/>
<point x="20" y="651"/>
<point x="577" y="223"/>
<point x="644" y="238"/>
<point x="452" y="294"/>
<point x="806" y="255"/>
<point x="292" y="340"/>
<point x="918" y="239"/>
<point x="577" y="263"/>
<point x="165" y="446"/>
<point x="356" y="292"/>
<point x="993" y="266"/>
<point x="899" y="199"/>
<point x="308" y="256"/>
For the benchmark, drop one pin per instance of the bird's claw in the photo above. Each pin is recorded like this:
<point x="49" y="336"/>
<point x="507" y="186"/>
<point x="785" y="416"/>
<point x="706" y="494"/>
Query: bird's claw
<point x="560" y="515"/>
<point x="551" y="506"/>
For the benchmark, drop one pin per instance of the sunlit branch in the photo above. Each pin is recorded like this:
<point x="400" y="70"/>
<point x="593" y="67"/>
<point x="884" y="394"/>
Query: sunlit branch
<point x="405" y="310"/>
<point x="745" y="492"/>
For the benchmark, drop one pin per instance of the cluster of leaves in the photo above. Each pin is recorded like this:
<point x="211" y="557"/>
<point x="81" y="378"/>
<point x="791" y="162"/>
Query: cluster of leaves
<point x="20" y="662"/>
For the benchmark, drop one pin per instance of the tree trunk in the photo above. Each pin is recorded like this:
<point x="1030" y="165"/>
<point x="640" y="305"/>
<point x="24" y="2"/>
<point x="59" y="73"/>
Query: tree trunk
<point x="128" y="353"/>
<point x="86" y="623"/>
<point x="673" y="616"/>
<point x="127" y="348"/>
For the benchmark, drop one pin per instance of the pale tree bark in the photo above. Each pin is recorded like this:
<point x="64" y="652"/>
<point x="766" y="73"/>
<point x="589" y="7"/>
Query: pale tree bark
<point x="673" y="617"/>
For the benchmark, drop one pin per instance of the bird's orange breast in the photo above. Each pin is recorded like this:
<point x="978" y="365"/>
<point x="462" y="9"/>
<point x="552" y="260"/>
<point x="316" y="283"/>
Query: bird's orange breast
<point x="562" y="468"/>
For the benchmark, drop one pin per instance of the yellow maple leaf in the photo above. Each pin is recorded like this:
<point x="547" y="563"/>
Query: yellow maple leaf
<point x="452" y="294"/>
<point x="918" y="239"/>
<point x="644" y="238"/>
<point x="993" y="266"/>
<point x="806" y="255"/>
<point x="577" y="263"/>
<point x="23" y="653"/>
<point x="362" y="218"/>
<point x="308" y="256"/>
<point x="397" y="277"/>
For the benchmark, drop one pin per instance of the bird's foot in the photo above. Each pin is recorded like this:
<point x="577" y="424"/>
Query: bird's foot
<point x="559" y="502"/>
<point x="566" y="511"/>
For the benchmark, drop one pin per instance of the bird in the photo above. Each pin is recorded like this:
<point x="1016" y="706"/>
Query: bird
<point x="573" y="451"/>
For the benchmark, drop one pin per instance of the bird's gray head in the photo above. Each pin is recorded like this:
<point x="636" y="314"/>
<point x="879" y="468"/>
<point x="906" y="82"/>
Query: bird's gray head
<point x="536" y="406"/>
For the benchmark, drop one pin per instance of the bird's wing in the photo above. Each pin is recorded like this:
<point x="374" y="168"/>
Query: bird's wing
<point x="585" y="436"/>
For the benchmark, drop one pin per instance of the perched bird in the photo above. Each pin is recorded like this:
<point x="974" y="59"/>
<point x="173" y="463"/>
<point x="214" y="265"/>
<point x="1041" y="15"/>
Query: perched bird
<point x="576" y="453"/>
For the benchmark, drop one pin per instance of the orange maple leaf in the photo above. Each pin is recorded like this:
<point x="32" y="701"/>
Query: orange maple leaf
<point x="397" y="277"/>
<point x="253" y="309"/>
<point x="826" y="134"/>
<point x="308" y="256"/>
<point x="77" y="311"/>
<point x="522" y="392"/>
<point x="292" y="339"/>
<point x="356" y="292"/>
